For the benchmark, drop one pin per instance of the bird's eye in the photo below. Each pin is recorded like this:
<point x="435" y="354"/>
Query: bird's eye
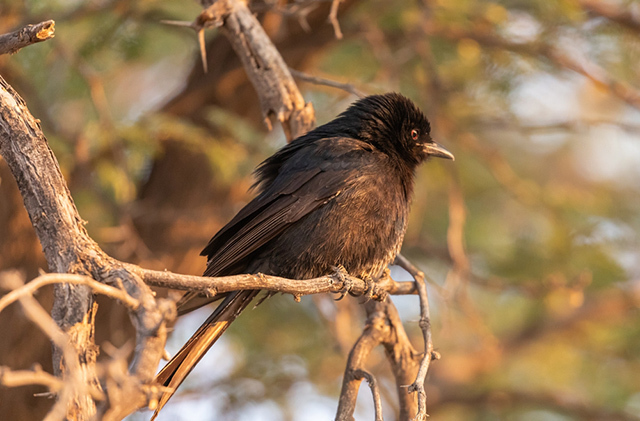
<point x="415" y="134"/>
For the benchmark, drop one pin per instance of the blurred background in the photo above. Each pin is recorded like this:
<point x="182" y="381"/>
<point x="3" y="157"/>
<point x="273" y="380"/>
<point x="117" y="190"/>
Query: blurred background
<point x="529" y="238"/>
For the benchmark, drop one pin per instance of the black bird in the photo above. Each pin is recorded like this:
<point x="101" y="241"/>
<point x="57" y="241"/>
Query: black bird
<point x="338" y="195"/>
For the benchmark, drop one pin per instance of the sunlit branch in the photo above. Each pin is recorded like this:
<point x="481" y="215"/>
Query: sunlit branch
<point x="12" y="42"/>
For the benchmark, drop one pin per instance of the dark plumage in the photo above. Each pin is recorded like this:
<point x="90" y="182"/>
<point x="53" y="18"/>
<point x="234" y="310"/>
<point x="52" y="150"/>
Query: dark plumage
<point x="338" y="195"/>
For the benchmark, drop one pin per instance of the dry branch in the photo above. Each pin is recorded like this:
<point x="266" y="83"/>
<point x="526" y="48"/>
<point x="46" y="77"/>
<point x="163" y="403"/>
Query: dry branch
<point x="278" y="93"/>
<point x="383" y="327"/>
<point x="208" y="285"/>
<point x="69" y="249"/>
<point x="425" y="326"/>
<point x="15" y="378"/>
<point x="347" y="87"/>
<point x="372" y="336"/>
<point x="67" y="278"/>
<point x="12" y="42"/>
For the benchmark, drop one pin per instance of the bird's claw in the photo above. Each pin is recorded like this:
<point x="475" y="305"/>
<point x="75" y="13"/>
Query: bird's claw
<point x="373" y="290"/>
<point x="369" y="286"/>
<point x="343" y="277"/>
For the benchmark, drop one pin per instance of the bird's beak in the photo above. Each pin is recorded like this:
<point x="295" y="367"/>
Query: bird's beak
<point x="433" y="149"/>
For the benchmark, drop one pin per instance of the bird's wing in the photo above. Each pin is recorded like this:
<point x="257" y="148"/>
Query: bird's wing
<point x="308" y="179"/>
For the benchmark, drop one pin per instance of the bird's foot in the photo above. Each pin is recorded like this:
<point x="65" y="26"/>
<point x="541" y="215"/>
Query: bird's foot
<point x="340" y="273"/>
<point x="373" y="290"/>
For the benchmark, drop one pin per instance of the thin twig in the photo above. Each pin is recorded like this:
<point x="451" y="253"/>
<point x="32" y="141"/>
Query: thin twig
<point x="425" y="327"/>
<point x="37" y="376"/>
<point x="66" y="278"/>
<point x="375" y="391"/>
<point x="12" y="42"/>
<point x="75" y="384"/>
<point x="371" y="337"/>
<point x="327" y="82"/>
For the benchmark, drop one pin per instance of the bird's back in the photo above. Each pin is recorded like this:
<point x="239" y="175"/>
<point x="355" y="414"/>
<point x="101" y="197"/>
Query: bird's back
<point x="335" y="201"/>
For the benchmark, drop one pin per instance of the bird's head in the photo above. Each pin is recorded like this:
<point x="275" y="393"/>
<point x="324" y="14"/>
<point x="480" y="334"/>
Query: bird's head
<point x="393" y="124"/>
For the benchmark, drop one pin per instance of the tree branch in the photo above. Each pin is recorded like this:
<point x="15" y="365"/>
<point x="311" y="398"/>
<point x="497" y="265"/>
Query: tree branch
<point x="375" y="391"/>
<point x="69" y="249"/>
<point x="347" y="87"/>
<point x="66" y="278"/>
<point x="372" y="336"/>
<point x="270" y="76"/>
<point x="210" y="285"/>
<point x="14" y="41"/>
<point x="383" y="327"/>
<point x="16" y="378"/>
<point x="425" y="326"/>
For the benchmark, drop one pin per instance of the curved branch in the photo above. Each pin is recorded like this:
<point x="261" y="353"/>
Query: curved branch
<point x="372" y="336"/>
<point x="67" y="278"/>
<point x="425" y="326"/>
<point x="375" y="391"/>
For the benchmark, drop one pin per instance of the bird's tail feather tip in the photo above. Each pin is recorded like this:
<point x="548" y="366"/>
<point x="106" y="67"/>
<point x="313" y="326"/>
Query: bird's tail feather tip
<point x="176" y="370"/>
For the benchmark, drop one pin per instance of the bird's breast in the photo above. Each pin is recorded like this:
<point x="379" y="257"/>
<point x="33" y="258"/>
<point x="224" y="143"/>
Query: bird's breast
<point x="361" y="227"/>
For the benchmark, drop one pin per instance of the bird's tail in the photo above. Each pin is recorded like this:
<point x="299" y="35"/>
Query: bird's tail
<point x="176" y="370"/>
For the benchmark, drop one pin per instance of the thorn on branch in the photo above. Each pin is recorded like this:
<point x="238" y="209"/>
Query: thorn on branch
<point x="203" y="50"/>
<point x="211" y="17"/>
<point x="333" y="18"/>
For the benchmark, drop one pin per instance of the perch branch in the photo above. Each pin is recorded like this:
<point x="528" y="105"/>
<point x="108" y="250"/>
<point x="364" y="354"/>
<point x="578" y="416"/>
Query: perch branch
<point x="14" y="41"/>
<point x="210" y="285"/>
